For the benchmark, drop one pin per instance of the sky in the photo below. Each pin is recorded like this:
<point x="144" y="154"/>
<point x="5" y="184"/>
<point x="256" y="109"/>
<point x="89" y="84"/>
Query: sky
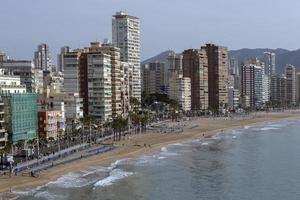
<point x="165" y="24"/>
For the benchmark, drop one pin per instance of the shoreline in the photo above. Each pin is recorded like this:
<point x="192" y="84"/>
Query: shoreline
<point x="127" y="149"/>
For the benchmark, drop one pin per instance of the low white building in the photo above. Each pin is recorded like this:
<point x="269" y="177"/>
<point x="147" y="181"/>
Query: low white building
<point x="11" y="84"/>
<point x="21" y="68"/>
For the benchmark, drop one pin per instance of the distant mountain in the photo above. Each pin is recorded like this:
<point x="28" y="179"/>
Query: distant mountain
<point x="291" y="57"/>
<point x="283" y="56"/>
<point x="244" y="54"/>
<point x="162" y="57"/>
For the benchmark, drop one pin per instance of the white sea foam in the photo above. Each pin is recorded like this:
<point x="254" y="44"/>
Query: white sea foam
<point x="114" y="176"/>
<point x="164" y="149"/>
<point x="247" y="127"/>
<point x="268" y="128"/>
<point x="70" y="180"/>
<point x="179" y="144"/>
<point x="205" y="144"/>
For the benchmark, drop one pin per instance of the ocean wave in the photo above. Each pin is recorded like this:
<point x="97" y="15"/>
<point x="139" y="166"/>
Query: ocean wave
<point x="247" y="127"/>
<point x="183" y="144"/>
<point x="205" y="143"/>
<point x="71" y="180"/>
<point x="114" y="176"/>
<point x="268" y="128"/>
<point x="49" y="195"/>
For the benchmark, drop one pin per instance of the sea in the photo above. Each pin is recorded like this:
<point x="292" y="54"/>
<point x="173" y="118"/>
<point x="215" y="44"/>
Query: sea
<point x="250" y="163"/>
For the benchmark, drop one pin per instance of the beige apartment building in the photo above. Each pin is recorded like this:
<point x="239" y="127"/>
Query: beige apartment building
<point x="180" y="90"/>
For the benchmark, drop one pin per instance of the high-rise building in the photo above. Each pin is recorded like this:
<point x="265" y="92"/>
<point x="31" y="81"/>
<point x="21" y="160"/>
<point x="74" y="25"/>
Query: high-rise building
<point x="99" y="86"/>
<point x="60" y="58"/>
<point x="252" y="85"/>
<point x="22" y="68"/>
<point x="126" y="85"/>
<point x="153" y="76"/>
<point x="234" y="71"/>
<point x="114" y="53"/>
<point x="298" y="88"/>
<point x="270" y="64"/>
<point x="195" y="67"/>
<point x="71" y="61"/>
<point x="233" y="67"/>
<point x="126" y="36"/>
<point x="174" y="63"/>
<point x="266" y="88"/>
<point x="290" y="74"/>
<point x="278" y="89"/>
<point x="217" y="75"/>
<point x="115" y="73"/>
<point x="233" y="98"/>
<point x="3" y="134"/>
<point x="42" y="58"/>
<point x="20" y="116"/>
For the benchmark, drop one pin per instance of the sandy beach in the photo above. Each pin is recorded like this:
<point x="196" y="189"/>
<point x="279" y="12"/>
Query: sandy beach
<point x="133" y="146"/>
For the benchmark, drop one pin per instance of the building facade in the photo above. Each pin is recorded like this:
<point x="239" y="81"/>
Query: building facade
<point x="73" y="108"/>
<point x="22" y="68"/>
<point x="11" y="84"/>
<point x="126" y="85"/>
<point x="50" y="124"/>
<point x="60" y="58"/>
<point x="180" y="90"/>
<point x="217" y="75"/>
<point x="290" y="74"/>
<point x="99" y="86"/>
<point x="71" y="63"/>
<point x="42" y="58"/>
<point x="114" y="53"/>
<point x="195" y="67"/>
<point x="153" y="77"/>
<point x="233" y="98"/>
<point x="126" y="36"/>
<point x="3" y="133"/>
<point x="270" y="64"/>
<point x="278" y="89"/>
<point x="298" y="88"/>
<point x="20" y="116"/>
<point x="252" y="85"/>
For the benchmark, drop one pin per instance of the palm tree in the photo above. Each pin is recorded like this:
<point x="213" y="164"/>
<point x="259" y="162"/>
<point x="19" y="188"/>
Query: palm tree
<point x="88" y="121"/>
<point x="118" y="125"/>
<point x="135" y="103"/>
<point x="136" y="119"/>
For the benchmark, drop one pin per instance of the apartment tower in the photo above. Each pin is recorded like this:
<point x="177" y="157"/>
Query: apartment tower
<point x="195" y="67"/>
<point x="126" y="36"/>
